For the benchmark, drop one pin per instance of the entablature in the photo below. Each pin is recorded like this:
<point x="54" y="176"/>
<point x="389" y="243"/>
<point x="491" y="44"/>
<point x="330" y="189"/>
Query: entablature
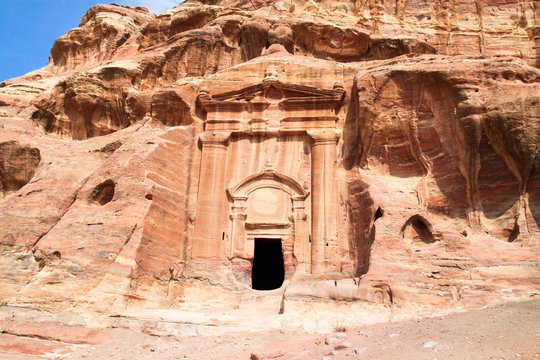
<point x="270" y="105"/>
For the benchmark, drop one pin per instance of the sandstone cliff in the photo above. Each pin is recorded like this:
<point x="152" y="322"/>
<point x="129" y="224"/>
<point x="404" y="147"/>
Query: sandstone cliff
<point x="435" y="192"/>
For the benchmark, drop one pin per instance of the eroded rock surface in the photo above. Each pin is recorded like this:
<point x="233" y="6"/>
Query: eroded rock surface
<point x="390" y="148"/>
<point x="18" y="164"/>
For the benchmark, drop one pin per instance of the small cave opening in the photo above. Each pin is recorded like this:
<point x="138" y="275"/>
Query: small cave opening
<point x="514" y="233"/>
<point x="103" y="193"/>
<point x="378" y="214"/>
<point x="268" y="271"/>
<point x="18" y="164"/>
<point x="417" y="230"/>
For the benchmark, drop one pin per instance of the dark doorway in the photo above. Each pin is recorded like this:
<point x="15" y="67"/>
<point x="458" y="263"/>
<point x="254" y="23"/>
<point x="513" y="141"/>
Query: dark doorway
<point x="268" y="270"/>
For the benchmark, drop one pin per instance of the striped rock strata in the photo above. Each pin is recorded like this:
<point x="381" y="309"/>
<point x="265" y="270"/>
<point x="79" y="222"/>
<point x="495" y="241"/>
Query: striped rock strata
<point x="357" y="151"/>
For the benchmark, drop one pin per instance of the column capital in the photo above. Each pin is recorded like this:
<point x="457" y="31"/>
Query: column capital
<point x="323" y="137"/>
<point x="209" y="138"/>
<point x="239" y="216"/>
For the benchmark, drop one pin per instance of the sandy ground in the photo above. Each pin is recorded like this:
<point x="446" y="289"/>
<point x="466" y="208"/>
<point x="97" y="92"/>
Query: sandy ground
<point x="510" y="331"/>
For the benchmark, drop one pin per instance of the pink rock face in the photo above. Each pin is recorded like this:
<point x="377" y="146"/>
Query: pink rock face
<point x="385" y="151"/>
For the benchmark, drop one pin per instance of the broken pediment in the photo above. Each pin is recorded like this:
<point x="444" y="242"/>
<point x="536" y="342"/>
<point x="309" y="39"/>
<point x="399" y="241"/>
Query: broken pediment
<point x="264" y="92"/>
<point x="272" y="104"/>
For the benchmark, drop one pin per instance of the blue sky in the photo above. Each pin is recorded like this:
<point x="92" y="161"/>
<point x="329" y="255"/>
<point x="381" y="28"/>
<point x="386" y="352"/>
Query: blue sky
<point x="28" y="28"/>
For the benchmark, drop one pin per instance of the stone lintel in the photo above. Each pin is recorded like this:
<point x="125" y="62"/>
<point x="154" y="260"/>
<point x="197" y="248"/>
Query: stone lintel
<point x="237" y="105"/>
<point x="269" y="132"/>
<point x="289" y="122"/>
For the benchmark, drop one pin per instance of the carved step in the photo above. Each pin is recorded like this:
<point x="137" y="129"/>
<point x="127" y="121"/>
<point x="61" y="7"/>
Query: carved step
<point x="263" y="301"/>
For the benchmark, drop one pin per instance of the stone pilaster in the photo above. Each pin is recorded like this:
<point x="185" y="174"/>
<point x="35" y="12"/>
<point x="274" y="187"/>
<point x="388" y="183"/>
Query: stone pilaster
<point x="208" y="239"/>
<point x="287" y="246"/>
<point x="238" y="217"/>
<point x="323" y="196"/>
<point x="302" y="249"/>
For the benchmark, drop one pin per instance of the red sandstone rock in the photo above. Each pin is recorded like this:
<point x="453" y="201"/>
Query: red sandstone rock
<point x="385" y="147"/>
<point x="56" y="332"/>
<point x="28" y="346"/>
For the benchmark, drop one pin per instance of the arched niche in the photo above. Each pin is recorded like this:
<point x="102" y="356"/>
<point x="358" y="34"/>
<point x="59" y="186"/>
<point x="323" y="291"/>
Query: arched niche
<point x="269" y="205"/>
<point x="269" y="179"/>
<point x="266" y="200"/>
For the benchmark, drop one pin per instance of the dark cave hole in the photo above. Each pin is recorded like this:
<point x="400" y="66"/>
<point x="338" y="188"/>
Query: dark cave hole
<point x="418" y="230"/>
<point x="378" y="214"/>
<point x="423" y="231"/>
<point x="514" y="233"/>
<point x="103" y="193"/>
<point x="268" y="270"/>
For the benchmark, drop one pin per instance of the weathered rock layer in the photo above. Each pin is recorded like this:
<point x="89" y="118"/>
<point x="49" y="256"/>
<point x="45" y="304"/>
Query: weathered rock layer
<point x="390" y="147"/>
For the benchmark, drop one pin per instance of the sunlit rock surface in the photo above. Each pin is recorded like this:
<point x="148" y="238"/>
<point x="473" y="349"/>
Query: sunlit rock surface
<point x="390" y="149"/>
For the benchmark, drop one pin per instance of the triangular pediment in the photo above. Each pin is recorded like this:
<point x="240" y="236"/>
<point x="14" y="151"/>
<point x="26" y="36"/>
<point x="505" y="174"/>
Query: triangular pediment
<point x="288" y="90"/>
<point x="271" y="91"/>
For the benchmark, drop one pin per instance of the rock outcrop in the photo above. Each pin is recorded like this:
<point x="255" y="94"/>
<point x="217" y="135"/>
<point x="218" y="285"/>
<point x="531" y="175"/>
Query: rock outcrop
<point x="390" y="148"/>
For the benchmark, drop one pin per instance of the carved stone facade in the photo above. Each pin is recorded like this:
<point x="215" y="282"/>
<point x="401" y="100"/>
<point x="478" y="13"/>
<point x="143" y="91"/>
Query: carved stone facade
<point x="267" y="171"/>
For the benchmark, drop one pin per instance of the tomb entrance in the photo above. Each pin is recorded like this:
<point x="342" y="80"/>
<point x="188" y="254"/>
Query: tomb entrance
<point x="268" y="271"/>
<point x="268" y="155"/>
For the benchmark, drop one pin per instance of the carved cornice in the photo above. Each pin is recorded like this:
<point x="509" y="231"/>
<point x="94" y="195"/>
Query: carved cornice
<point x="218" y="139"/>
<point x="324" y="137"/>
<point x="253" y="97"/>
